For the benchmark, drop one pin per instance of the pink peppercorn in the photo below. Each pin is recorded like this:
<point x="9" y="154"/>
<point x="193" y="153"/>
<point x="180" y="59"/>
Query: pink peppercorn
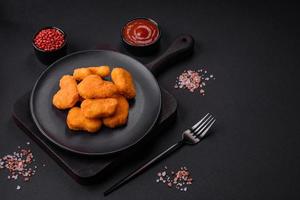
<point x="49" y="39"/>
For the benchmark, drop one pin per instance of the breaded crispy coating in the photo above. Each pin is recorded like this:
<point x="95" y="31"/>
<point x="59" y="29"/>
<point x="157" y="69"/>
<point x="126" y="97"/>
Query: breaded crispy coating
<point x="102" y="102"/>
<point x="67" y="96"/>
<point x="88" y="85"/>
<point x="80" y="73"/>
<point x="102" y="71"/>
<point x="93" y="87"/>
<point x="120" y="116"/>
<point x="95" y="108"/>
<point x="77" y="121"/>
<point x="124" y="82"/>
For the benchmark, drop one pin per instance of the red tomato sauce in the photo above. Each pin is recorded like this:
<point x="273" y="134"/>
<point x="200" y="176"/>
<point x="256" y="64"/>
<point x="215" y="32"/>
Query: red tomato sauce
<point x="140" y="32"/>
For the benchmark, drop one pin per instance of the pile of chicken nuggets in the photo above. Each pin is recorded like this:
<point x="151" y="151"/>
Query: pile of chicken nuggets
<point x="94" y="101"/>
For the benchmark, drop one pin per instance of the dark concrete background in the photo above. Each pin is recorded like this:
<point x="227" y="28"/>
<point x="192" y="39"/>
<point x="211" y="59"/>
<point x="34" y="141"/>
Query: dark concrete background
<point x="251" y="48"/>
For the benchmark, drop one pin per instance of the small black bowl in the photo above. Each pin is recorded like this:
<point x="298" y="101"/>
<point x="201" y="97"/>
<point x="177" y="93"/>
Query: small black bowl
<point x="48" y="57"/>
<point x="142" y="50"/>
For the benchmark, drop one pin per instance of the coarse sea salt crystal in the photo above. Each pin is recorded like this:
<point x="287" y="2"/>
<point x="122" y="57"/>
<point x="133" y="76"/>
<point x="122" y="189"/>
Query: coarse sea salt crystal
<point x="179" y="180"/>
<point x="192" y="80"/>
<point x="18" y="165"/>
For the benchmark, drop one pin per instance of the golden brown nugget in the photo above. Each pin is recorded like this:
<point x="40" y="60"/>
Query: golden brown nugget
<point x="108" y="89"/>
<point x="93" y="87"/>
<point x="120" y="116"/>
<point x="67" y="96"/>
<point x="102" y="71"/>
<point x="95" y="108"/>
<point x="87" y="86"/>
<point x="76" y="121"/>
<point x="124" y="82"/>
<point x="80" y="73"/>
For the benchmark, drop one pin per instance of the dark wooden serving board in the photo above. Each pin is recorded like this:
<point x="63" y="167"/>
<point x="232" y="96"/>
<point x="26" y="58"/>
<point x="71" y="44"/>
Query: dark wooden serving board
<point x="88" y="169"/>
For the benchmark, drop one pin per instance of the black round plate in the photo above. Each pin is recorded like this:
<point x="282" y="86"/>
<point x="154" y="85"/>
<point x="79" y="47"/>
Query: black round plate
<point x="143" y="113"/>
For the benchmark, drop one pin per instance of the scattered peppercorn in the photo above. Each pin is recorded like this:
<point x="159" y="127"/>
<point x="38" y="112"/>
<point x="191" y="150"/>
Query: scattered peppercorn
<point x="49" y="39"/>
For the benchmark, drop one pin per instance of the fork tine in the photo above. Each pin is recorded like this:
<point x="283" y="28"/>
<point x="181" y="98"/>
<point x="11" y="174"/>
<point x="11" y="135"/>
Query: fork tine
<point x="205" y="129"/>
<point x="203" y="123"/>
<point x="198" y="123"/>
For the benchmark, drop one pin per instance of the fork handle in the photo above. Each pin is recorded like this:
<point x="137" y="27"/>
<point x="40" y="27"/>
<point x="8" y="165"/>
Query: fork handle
<point x="144" y="167"/>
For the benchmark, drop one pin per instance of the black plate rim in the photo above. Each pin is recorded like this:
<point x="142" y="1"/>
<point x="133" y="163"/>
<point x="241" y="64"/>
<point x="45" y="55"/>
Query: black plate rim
<point x="81" y="152"/>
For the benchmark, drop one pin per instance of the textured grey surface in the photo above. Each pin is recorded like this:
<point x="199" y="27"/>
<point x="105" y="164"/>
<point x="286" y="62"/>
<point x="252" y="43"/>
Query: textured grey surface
<point x="251" y="48"/>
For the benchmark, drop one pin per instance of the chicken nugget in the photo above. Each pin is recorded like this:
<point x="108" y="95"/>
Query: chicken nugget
<point x="102" y="71"/>
<point x="120" y="116"/>
<point x="88" y="85"/>
<point x="80" y="73"/>
<point x="67" y="96"/>
<point x="95" y="108"/>
<point x="124" y="82"/>
<point x="76" y="121"/>
<point x="92" y="87"/>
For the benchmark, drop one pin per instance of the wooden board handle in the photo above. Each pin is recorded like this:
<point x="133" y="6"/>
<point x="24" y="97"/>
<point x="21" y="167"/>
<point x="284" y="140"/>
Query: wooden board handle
<point x="179" y="49"/>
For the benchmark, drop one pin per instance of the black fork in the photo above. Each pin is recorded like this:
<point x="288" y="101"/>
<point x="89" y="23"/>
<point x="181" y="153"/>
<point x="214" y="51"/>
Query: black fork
<point x="190" y="136"/>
